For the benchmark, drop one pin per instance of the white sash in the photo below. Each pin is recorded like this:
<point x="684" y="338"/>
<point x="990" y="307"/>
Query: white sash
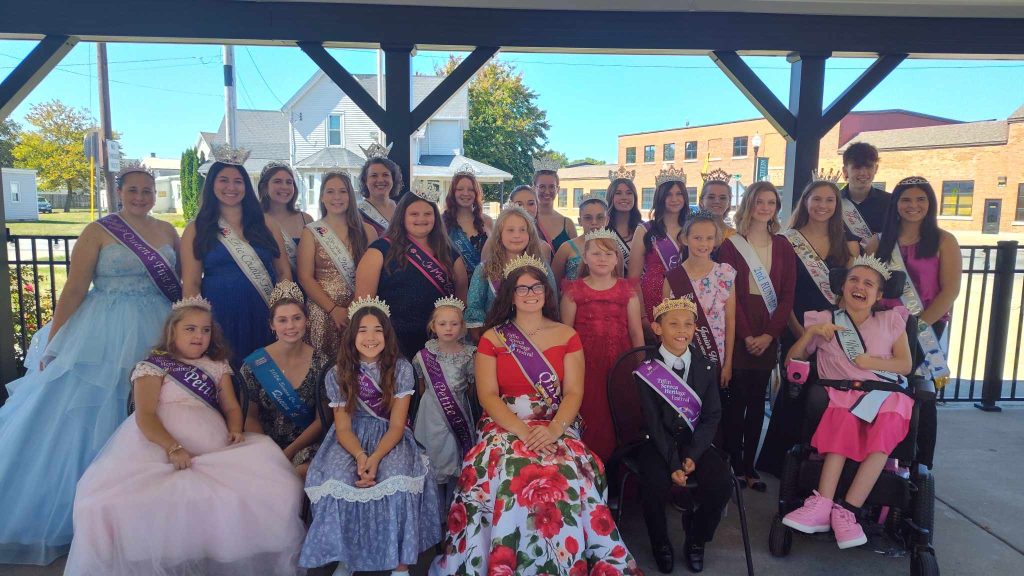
<point x="246" y="259"/>
<point x="866" y="408"/>
<point x="289" y="247"/>
<point x="854" y="221"/>
<point x="374" y="214"/>
<point x="934" y="365"/>
<point x="815" y="266"/>
<point x="764" y="281"/>
<point x="336" y="251"/>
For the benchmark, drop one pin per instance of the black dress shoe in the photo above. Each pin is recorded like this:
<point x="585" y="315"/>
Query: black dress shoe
<point x="664" y="558"/>
<point x="694" y="553"/>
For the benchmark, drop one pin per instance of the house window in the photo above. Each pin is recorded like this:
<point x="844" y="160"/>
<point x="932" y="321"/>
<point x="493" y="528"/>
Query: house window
<point x="649" y="153"/>
<point x="562" y="197"/>
<point x="577" y="196"/>
<point x="596" y="193"/>
<point x="647" y="198"/>
<point x="334" y="130"/>
<point x="668" y="152"/>
<point x="739" y="146"/>
<point x="957" y="197"/>
<point x="690" y="153"/>
<point x="311" y="182"/>
<point x="631" y="155"/>
<point x="1020" y="203"/>
<point x="15" y="192"/>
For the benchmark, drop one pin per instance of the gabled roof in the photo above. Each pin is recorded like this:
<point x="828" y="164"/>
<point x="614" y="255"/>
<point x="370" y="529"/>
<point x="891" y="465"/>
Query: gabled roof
<point x="263" y="132"/>
<point x="457" y="107"/>
<point x="985" y="133"/>
<point x="444" y="166"/>
<point x="1018" y="115"/>
<point x="332" y="157"/>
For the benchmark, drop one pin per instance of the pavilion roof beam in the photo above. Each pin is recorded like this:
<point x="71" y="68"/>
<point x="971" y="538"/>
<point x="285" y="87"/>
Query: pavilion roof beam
<point x="347" y="82"/>
<point x="451" y="84"/>
<point x="31" y="71"/>
<point x="861" y="87"/>
<point x="756" y="91"/>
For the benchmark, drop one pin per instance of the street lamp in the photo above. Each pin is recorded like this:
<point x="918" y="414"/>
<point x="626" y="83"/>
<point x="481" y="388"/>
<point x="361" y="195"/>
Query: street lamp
<point x="756" y="141"/>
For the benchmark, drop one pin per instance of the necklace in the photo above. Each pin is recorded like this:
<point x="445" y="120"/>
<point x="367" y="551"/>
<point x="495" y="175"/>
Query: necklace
<point x="530" y="333"/>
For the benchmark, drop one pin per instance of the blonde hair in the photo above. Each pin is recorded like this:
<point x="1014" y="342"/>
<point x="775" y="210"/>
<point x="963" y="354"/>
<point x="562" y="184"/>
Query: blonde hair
<point x="744" y="213"/>
<point x="433" y="317"/>
<point x="218" y="348"/>
<point x="497" y="256"/>
<point x="605" y="244"/>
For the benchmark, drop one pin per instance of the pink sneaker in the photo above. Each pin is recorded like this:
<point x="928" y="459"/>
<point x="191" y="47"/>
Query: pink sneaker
<point x="848" y="531"/>
<point x="812" y="517"/>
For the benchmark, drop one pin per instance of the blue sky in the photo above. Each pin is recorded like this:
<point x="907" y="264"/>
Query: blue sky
<point x="162" y="95"/>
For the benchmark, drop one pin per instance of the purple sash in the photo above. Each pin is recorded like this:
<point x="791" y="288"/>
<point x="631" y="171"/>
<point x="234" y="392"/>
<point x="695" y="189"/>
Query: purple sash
<point x="681" y="285"/>
<point x="190" y="377"/>
<point x="494" y="286"/>
<point x="159" y="270"/>
<point x="672" y="389"/>
<point x="666" y="249"/>
<point x="457" y="421"/>
<point x="371" y="397"/>
<point x="431" y="269"/>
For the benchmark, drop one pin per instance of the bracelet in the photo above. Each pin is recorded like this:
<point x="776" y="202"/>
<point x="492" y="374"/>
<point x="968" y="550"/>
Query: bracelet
<point x="331" y="311"/>
<point x="174" y="449"/>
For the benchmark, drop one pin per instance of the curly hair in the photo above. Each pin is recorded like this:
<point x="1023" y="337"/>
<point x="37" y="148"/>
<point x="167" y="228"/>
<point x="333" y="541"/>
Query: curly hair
<point x="218" y="348"/>
<point x="497" y="256"/>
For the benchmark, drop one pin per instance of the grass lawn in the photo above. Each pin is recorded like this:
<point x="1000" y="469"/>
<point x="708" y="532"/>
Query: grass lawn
<point x="62" y="223"/>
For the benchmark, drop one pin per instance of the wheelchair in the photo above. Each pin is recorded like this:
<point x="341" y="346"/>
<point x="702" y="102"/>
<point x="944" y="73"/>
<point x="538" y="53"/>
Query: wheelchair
<point x="905" y="494"/>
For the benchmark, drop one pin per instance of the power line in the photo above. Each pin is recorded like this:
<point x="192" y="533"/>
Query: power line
<point x="265" y="83"/>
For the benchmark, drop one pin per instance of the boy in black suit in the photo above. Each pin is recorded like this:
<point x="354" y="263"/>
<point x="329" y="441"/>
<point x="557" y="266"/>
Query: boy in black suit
<point x="679" y="395"/>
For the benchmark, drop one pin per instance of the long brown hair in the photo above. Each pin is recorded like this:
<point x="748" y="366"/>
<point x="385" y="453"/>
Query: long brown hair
<point x="437" y="240"/>
<point x="451" y="207"/>
<point x="356" y="232"/>
<point x="496" y="257"/>
<point x="744" y="212"/>
<point x="838" y="251"/>
<point x="503" y="308"/>
<point x="264" y="184"/>
<point x="348" y="356"/>
<point x="218" y="348"/>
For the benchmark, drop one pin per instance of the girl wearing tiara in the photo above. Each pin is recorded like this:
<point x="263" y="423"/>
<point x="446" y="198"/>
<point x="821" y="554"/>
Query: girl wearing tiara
<point x="525" y="197"/>
<point x="514" y="236"/>
<point x="445" y="424"/>
<point x="373" y="496"/>
<point x="380" y="182"/>
<point x="173" y="492"/>
<point x="329" y="251"/>
<point x="604" y="309"/>
<point x="278" y="192"/>
<point x="593" y="216"/>
<point x="716" y="198"/>
<point x="468" y="227"/>
<point x="623" y="210"/>
<point x="554" y="229"/>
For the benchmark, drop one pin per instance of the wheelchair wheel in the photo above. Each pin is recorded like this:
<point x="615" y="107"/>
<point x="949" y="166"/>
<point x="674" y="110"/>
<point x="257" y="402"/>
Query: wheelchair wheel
<point x="780" y="538"/>
<point x="924" y="564"/>
<point x="924" y="505"/>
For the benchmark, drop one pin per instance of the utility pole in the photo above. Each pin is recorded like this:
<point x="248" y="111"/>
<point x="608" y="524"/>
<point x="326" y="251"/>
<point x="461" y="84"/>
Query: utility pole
<point x="108" y="132"/>
<point x="230" y="104"/>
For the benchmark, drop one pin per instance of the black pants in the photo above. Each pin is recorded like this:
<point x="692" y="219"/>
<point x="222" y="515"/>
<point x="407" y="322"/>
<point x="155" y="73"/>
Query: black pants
<point x="744" y="416"/>
<point x="714" y="486"/>
<point x="928" y="418"/>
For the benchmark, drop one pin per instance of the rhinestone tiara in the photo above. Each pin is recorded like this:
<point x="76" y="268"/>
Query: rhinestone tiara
<point x="670" y="175"/>
<point x="913" y="180"/>
<point x="233" y="156"/>
<point x="375" y="150"/>
<point x="466" y="169"/>
<point x="193" y="302"/>
<point x="425" y="191"/>
<point x="621" y="174"/>
<point x="450" y="301"/>
<point x="286" y="289"/>
<point x="367" y="302"/>
<point x="513" y="207"/>
<point x="716" y="175"/>
<point x="520" y="262"/>
<point x="130" y="166"/>
<point x="702" y="214"/>
<point x="598" y="234"/>
<point x="274" y="166"/>
<point x="670" y="304"/>
<point x="873" y="263"/>
<point x="550" y="164"/>
<point x="831" y="176"/>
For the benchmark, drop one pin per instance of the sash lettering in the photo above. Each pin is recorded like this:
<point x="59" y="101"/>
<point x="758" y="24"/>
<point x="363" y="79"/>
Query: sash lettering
<point x="289" y="247"/>
<point x="764" y="281"/>
<point x="431" y="269"/>
<point x="681" y="285"/>
<point x="373" y="217"/>
<point x="336" y="251"/>
<point x="372" y="398"/>
<point x="461" y="242"/>
<point x="277" y="387"/>
<point x="667" y="250"/>
<point x="623" y="247"/>
<point x="854" y="221"/>
<point x="934" y="365"/>
<point x="453" y="415"/>
<point x="191" y="378"/>
<point x="247" y="260"/>
<point x="852" y="344"/>
<point x="813" y="263"/>
<point x="672" y="389"/>
<point x="160" y="271"/>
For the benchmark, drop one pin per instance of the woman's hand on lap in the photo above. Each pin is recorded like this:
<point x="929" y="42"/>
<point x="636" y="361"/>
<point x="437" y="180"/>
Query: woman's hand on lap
<point x="180" y="458"/>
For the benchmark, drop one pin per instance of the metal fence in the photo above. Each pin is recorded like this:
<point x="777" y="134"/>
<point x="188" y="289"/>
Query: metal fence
<point x="983" y="336"/>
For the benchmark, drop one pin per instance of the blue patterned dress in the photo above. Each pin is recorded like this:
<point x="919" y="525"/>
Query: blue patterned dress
<point x="481" y="296"/>
<point x="238" y="307"/>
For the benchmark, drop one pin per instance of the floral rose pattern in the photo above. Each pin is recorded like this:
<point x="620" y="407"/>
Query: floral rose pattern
<point x="516" y="512"/>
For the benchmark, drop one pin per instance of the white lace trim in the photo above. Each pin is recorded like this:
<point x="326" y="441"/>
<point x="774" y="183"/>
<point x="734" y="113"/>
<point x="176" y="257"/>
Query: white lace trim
<point x="404" y="394"/>
<point x="340" y="491"/>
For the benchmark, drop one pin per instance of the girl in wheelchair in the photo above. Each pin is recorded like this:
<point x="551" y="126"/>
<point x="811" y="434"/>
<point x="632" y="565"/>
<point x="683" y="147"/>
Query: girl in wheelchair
<point x="856" y="345"/>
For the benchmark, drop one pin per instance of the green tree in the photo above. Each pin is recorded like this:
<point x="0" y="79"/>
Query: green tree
<point x="191" y="183"/>
<point x="9" y="130"/>
<point x="588" y="161"/>
<point x="506" y="128"/>
<point x="55" y="148"/>
<point x="556" y="156"/>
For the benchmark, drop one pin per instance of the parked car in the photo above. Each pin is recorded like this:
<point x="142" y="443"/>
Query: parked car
<point x="45" y="207"/>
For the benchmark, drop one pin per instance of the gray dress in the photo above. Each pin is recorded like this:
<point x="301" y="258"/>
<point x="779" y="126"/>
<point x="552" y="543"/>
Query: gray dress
<point x="431" y="426"/>
<point x="376" y="528"/>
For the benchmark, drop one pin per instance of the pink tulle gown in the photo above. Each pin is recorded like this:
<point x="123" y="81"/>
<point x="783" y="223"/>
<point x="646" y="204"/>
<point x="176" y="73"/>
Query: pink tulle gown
<point x="234" y="512"/>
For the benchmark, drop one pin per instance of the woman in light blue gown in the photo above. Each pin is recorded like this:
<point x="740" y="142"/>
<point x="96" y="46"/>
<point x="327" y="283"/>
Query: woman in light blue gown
<point x="62" y="412"/>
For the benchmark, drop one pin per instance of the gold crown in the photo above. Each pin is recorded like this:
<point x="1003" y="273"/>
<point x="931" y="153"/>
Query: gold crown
<point x="233" y="156"/>
<point x="375" y="150"/>
<point x="622" y="174"/>
<point x="130" y="166"/>
<point x="670" y="174"/>
<point x="669" y="304"/>
<point x="193" y="302"/>
<point x="716" y="175"/>
<point x="597" y="234"/>
<point x="367" y="302"/>
<point x="873" y="263"/>
<point x="521" y="261"/>
<point x="275" y="165"/>
<point x="831" y="176"/>
<point x="546" y="163"/>
<point x="286" y="289"/>
<point x="450" y="301"/>
<point x="425" y="191"/>
<point x="466" y="169"/>
<point x="913" y="180"/>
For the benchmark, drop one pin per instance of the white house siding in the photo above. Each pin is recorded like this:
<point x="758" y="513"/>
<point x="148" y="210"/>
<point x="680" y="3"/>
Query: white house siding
<point x="444" y="137"/>
<point x="26" y="207"/>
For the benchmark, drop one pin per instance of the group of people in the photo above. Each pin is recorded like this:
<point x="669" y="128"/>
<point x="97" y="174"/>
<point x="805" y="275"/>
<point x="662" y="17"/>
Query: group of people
<point x="462" y="365"/>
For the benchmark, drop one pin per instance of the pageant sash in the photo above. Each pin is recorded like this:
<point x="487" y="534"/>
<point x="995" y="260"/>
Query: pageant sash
<point x="373" y="217"/>
<point x="666" y="249"/>
<point x="453" y="415"/>
<point x="764" y="281"/>
<point x="854" y="221"/>
<point x="160" y="271"/>
<point x="289" y="247"/>
<point x="247" y="260"/>
<point x="191" y="378"/>
<point x="867" y="406"/>
<point x="494" y="284"/>
<point x="372" y="398"/>
<point x="431" y="269"/>
<point x="672" y="389"/>
<point x="813" y="263"/>
<point x="461" y="242"/>
<point x="623" y="247"/>
<point x="336" y="251"/>
<point x="934" y="365"/>
<point x="280" y="390"/>
<point x="703" y="336"/>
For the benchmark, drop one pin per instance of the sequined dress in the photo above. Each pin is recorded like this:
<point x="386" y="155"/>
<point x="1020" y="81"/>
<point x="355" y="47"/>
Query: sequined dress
<point x="323" y="332"/>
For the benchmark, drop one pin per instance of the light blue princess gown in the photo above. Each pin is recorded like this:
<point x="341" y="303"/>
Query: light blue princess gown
<point x="57" y="420"/>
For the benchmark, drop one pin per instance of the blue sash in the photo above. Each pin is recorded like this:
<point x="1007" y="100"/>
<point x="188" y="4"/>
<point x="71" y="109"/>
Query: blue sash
<point x="470" y="257"/>
<point x="277" y="387"/>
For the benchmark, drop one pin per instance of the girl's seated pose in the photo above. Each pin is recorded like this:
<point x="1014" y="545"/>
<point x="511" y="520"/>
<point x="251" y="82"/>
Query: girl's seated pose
<point x="180" y="489"/>
<point x="374" y="499"/>
<point x="854" y="342"/>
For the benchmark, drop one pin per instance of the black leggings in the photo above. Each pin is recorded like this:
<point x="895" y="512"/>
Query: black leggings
<point x="744" y="417"/>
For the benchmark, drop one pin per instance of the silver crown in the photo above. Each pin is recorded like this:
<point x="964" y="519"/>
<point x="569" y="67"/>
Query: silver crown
<point x="425" y="191"/>
<point x="451" y="301"/>
<point x="466" y="170"/>
<point x="873" y="263"/>
<point x="702" y="214"/>
<point x="670" y="175"/>
<point x="286" y="289"/>
<point x="375" y="150"/>
<point x="598" y="234"/>
<point x="274" y="166"/>
<point x="546" y="163"/>
<point x="130" y="166"/>
<point x="831" y="176"/>
<point x="621" y="174"/>
<point x="913" y="180"/>
<point x="367" y="302"/>
<point x="716" y="175"/>
<point x="513" y="207"/>
<point x="233" y="156"/>
<point x="193" y="302"/>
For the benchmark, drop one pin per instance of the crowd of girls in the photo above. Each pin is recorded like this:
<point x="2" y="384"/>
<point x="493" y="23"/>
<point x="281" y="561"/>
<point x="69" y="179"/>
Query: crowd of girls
<point x="431" y="377"/>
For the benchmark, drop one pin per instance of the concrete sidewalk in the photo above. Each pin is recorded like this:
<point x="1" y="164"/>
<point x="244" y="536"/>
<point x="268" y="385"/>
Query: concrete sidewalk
<point x="978" y="515"/>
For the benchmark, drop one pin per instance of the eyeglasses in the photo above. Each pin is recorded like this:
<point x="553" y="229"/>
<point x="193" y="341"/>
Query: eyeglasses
<point x="535" y="288"/>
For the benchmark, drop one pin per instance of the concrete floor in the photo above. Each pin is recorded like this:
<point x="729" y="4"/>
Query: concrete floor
<point x="977" y="516"/>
